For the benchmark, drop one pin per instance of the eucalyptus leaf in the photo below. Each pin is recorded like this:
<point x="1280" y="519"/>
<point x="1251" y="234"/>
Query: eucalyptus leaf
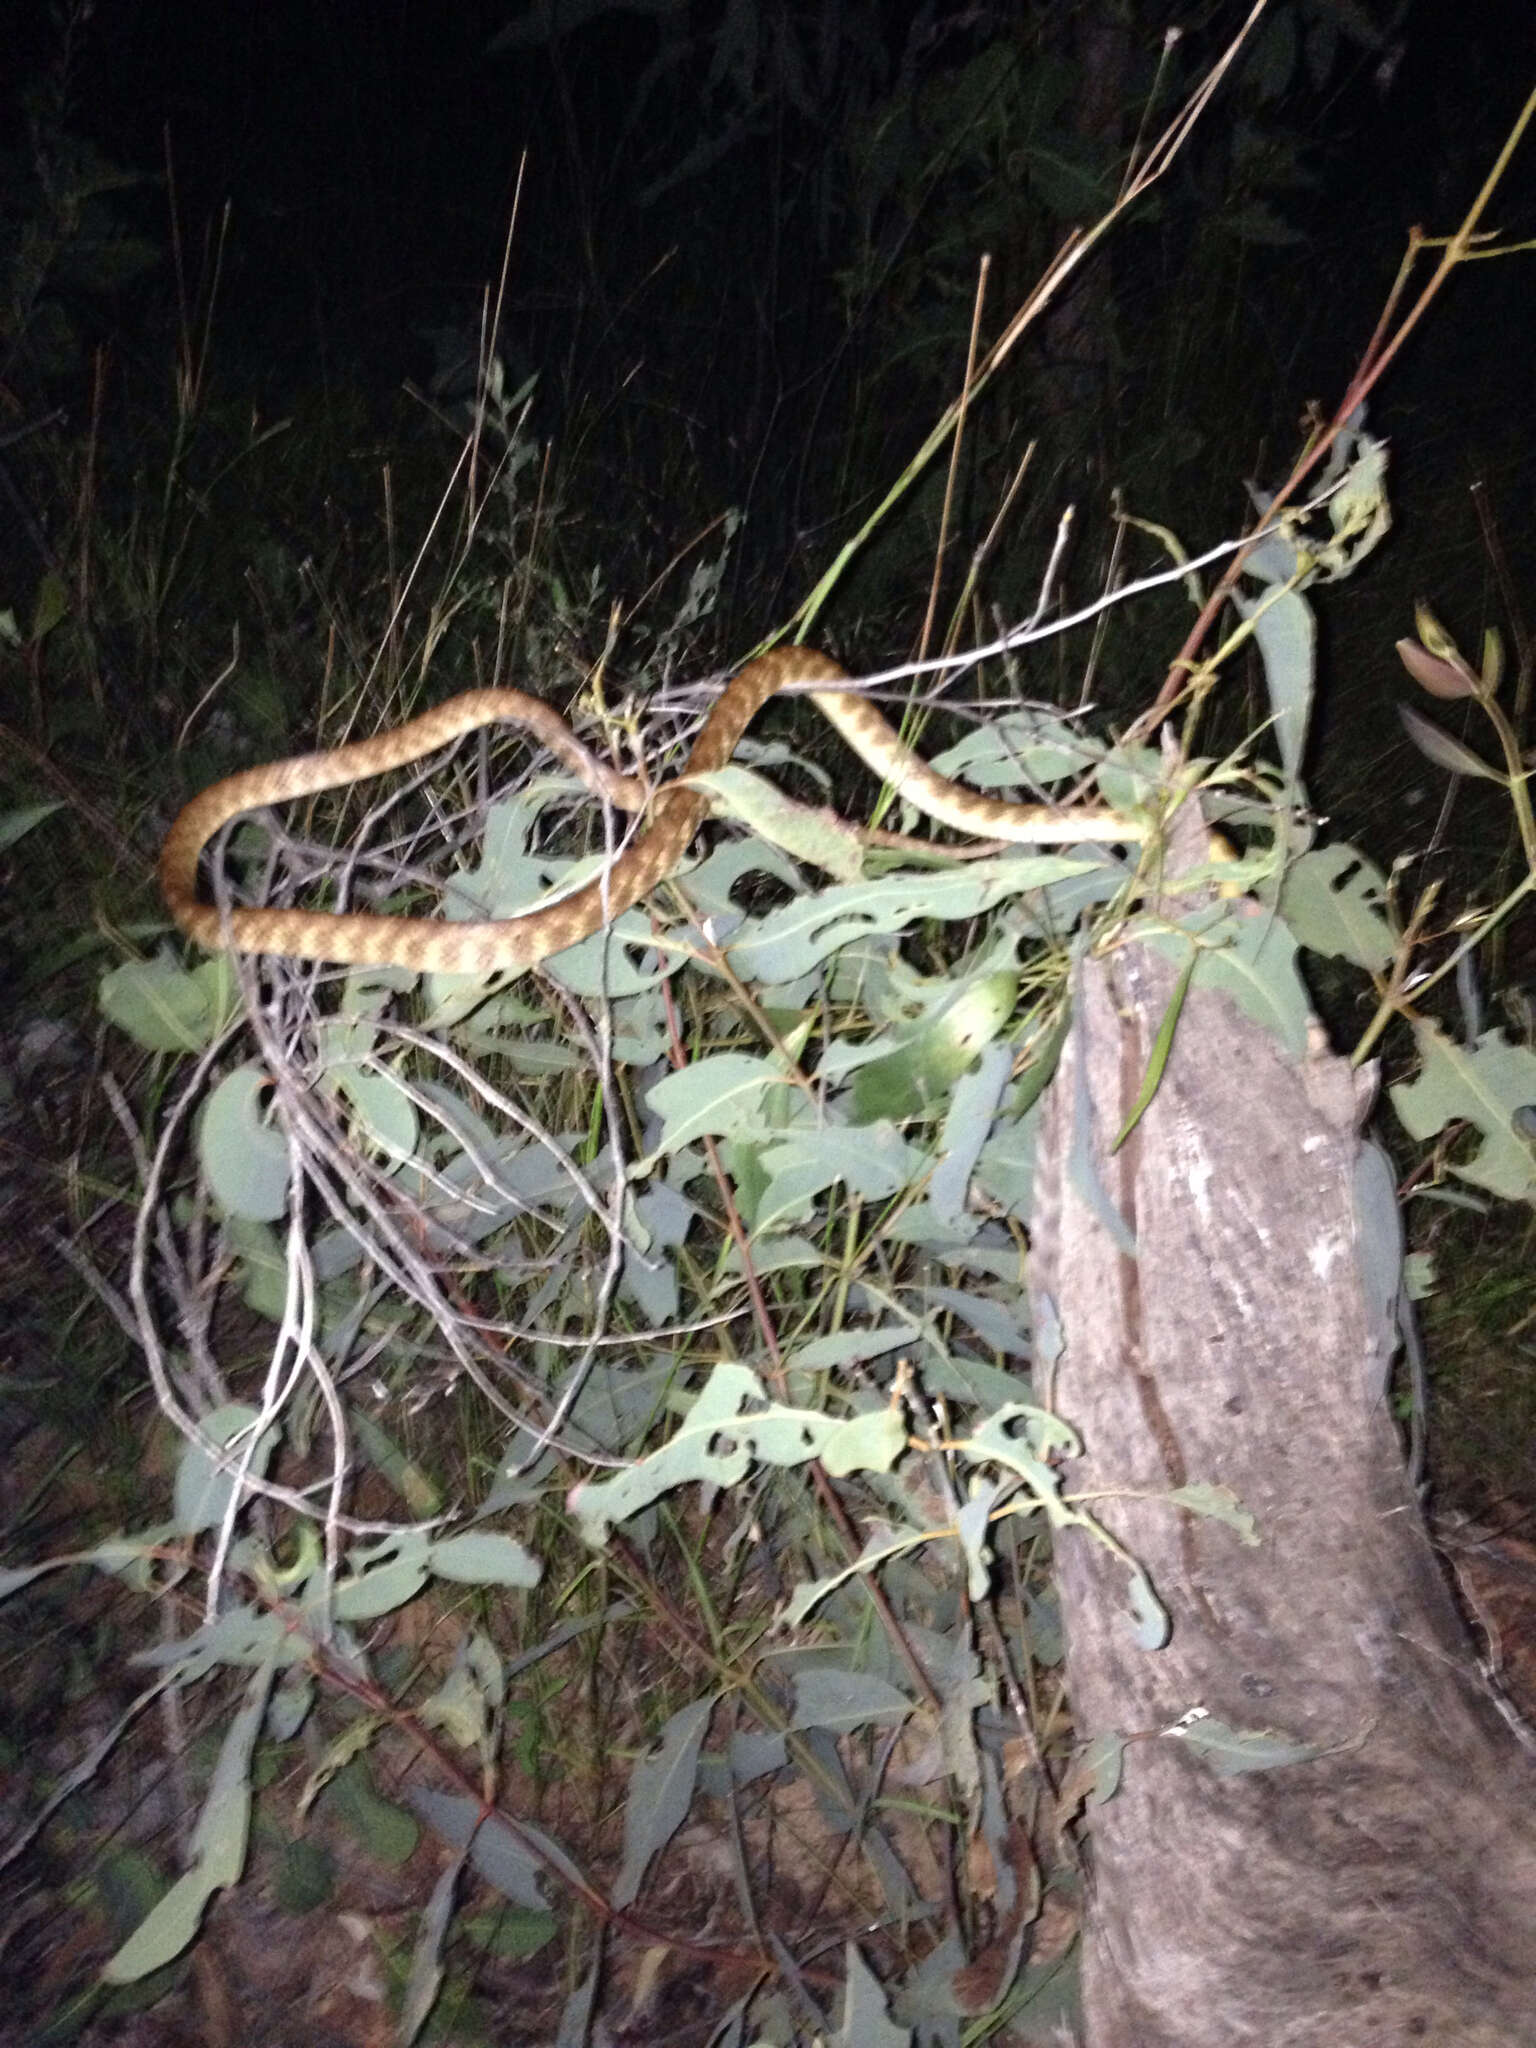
<point x="1486" y="1085"/>
<point x="1285" y="633"/>
<point x="387" y="1832"/>
<point x="881" y="1545"/>
<point x="382" y="1587"/>
<point x="872" y="1161"/>
<point x="1151" y="1626"/>
<point x="263" y="1266"/>
<point x="512" y="1859"/>
<point x="1447" y="679"/>
<point x="1440" y="747"/>
<point x="828" y="1696"/>
<point x="819" y="836"/>
<point x="14" y="1577"/>
<point x="459" y="1708"/>
<point x="483" y="1557"/>
<point x="167" y="1007"/>
<point x="972" y="1528"/>
<point x="341" y="1758"/>
<point x="217" y="1852"/>
<point x="731" y="1427"/>
<point x="995" y="1322"/>
<point x="242" y="1636"/>
<point x="1218" y="1504"/>
<point x="291" y="1704"/>
<point x="838" y="1349"/>
<point x="575" y="2029"/>
<point x="1335" y="903"/>
<point x="203" y="1492"/>
<point x="383" y="1113"/>
<point x="790" y="941"/>
<point x="1248" y="955"/>
<point x="244" y="1157"/>
<point x="426" y="1972"/>
<point x="1232" y="1752"/>
<point x="661" y="1789"/>
<point x="1025" y="749"/>
<point x="968" y="1121"/>
<point x="711" y="1097"/>
<point x="866" y="2018"/>
<point x="17" y="821"/>
<point x="1102" y="1764"/>
<point x="918" y="1076"/>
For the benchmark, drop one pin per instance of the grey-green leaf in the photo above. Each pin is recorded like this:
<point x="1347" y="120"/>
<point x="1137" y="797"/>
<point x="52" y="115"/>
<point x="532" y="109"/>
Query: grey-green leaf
<point x="1487" y="1084"/>
<point x="660" y="1793"/>
<point x="202" y="1492"/>
<point x="827" y="1696"/>
<point x="512" y="1860"/>
<point x="818" y="836"/>
<point x="426" y="1978"/>
<point x="483" y="1557"/>
<point x="218" y="1849"/>
<point x="18" y="821"/>
<point x="791" y="941"/>
<point x="1150" y="1623"/>
<point x="1285" y="632"/>
<point x="712" y="1097"/>
<point x="244" y="1157"/>
<point x="866" y="2021"/>
<point x="167" y="1007"/>
<point x="1439" y="746"/>
<point x="732" y="1426"/>
<point x="1334" y="900"/>
<point x="1231" y="1752"/>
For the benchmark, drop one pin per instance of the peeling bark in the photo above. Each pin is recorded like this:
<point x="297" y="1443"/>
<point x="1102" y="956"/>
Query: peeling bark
<point x="1385" y="1892"/>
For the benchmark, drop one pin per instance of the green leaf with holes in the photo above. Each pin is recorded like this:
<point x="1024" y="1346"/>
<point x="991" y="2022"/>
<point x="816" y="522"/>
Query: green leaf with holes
<point x="731" y="1427"/>
<point x="245" y="1158"/>
<point x="1335" y="903"/>
<point x="1487" y="1085"/>
<point x="918" y="1077"/>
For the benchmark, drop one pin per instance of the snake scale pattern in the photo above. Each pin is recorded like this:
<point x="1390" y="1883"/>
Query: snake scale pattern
<point x="674" y="812"/>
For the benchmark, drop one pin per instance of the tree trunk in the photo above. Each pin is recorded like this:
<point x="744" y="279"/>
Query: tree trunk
<point x="1385" y="1891"/>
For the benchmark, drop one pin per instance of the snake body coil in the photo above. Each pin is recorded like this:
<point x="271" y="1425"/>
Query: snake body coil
<point x="512" y="944"/>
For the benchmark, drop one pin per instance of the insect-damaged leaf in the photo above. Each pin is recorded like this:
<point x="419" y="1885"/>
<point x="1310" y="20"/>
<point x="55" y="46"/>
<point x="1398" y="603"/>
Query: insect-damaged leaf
<point x="731" y="1427"/>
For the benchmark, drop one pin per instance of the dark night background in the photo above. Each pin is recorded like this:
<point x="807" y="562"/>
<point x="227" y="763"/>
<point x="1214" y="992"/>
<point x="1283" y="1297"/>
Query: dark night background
<point x="744" y="258"/>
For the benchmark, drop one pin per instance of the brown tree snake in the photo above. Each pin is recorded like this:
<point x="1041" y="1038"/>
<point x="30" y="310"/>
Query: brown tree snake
<point x="675" y="811"/>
